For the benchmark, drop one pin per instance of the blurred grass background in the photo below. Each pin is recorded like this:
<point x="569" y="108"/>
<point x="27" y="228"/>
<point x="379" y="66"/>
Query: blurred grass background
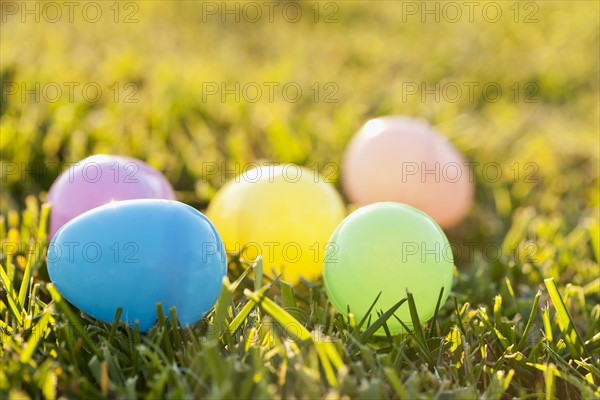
<point x="369" y="51"/>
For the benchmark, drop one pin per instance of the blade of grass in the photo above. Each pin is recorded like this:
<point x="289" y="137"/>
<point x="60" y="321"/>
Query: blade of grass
<point x="547" y="326"/>
<point x="77" y="325"/>
<point x="2" y="228"/>
<point x="370" y="331"/>
<point x="13" y="302"/>
<point x="287" y="294"/>
<point x="281" y="316"/>
<point x="36" y="335"/>
<point x="594" y="231"/>
<point x="459" y="317"/>
<point x="215" y="361"/>
<point x="416" y="322"/>
<point x="550" y="380"/>
<point x="242" y="276"/>
<point x="258" y="273"/>
<point x="367" y="315"/>
<point x="33" y="307"/>
<point x="423" y="349"/>
<point x="26" y="278"/>
<point x="589" y="367"/>
<point x="239" y="319"/>
<point x="175" y="326"/>
<point x="536" y="302"/>
<point x="498" y="310"/>
<point x="33" y="257"/>
<point x="42" y="232"/>
<point x="112" y="363"/>
<point x="326" y="364"/>
<point x="504" y="342"/>
<point x="218" y="322"/>
<point x="511" y="291"/>
<point x="162" y="323"/>
<point x="13" y="240"/>
<point x="334" y="356"/>
<point x="435" y="313"/>
<point x="559" y="360"/>
<point x="565" y="322"/>
<point x="499" y="384"/>
<point x="115" y="325"/>
<point x="395" y="382"/>
<point x="250" y="338"/>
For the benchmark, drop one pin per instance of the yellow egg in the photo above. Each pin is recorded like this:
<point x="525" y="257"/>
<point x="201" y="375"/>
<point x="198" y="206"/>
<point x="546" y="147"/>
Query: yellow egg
<point x="285" y="213"/>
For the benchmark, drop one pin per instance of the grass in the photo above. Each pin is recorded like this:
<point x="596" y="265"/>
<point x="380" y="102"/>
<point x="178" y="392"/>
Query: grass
<point x="265" y="340"/>
<point x="523" y="318"/>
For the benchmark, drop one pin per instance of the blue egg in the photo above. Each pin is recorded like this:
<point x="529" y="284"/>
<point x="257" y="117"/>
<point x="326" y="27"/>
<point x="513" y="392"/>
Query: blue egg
<point x="134" y="254"/>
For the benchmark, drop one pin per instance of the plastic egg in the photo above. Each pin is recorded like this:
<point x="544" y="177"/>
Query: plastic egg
<point x="388" y="248"/>
<point x="404" y="160"/>
<point x="284" y="213"/>
<point x="100" y="179"/>
<point x="137" y="253"/>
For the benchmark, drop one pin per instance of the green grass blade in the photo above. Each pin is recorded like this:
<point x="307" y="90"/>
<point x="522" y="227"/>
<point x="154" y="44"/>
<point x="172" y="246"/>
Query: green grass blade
<point x="435" y="313"/>
<point x="26" y="278"/>
<point x="395" y="383"/>
<point x="239" y="319"/>
<point x="258" y="273"/>
<point x="595" y="371"/>
<point x="504" y="342"/>
<point x="33" y="257"/>
<point x="594" y="232"/>
<point x="166" y="340"/>
<point x="334" y="356"/>
<point x="536" y="302"/>
<point x="13" y="302"/>
<point x="326" y="364"/>
<point x="42" y="232"/>
<point x="36" y="335"/>
<point x="287" y="295"/>
<point x="290" y="324"/>
<point x="218" y="322"/>
<point x="565" y="323"/>
<point x="459" y="317"/>
<point x="3" y="231"/>
<point x="243" y="275"/>
<point x="510" y="289"/>
<point x="414" y="316"/>
<point x="213" y="359"/>
<point x="367" y="314"/>
<point x="115" y="325"/>
<point x="175" y="326"/>
<point x="550" y="381"/>
<point x="75" y="322"/>
<point x="499" y="384"/>
<point x="370" y="331"/>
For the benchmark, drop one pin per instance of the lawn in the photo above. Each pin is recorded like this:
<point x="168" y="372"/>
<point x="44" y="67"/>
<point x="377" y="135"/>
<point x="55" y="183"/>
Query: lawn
<point x="199" y="90"/>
